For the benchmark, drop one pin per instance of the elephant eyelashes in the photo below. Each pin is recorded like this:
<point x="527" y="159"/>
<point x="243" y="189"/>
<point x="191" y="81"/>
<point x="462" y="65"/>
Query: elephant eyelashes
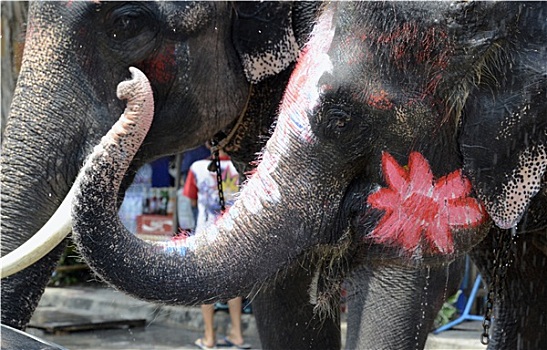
<point x="125" y="24"/>
<point x="131" y="32"/>
<point x="337" y="121"/>
<point x="128" y="22"/>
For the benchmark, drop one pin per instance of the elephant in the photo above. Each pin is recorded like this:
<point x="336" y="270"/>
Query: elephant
<point x="410" y="132"/>
<point x="217" y="70"/>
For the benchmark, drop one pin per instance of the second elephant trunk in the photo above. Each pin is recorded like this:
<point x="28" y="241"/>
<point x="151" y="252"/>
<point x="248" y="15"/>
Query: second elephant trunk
<point x="267" y="227"/>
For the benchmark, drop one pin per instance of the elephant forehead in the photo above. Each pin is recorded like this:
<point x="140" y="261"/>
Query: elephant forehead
<point x="186" y="17"/>
<point x="416" y="50"/>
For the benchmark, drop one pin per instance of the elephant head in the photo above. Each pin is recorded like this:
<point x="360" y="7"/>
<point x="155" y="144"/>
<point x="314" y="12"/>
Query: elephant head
<point x="447" y="109"/>
<point x="210" y="65"/>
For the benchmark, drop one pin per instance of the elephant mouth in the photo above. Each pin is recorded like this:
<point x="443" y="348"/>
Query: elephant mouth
<point x="414" y="217"/>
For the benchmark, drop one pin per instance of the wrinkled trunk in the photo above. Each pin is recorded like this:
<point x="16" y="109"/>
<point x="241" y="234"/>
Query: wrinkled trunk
<point x="39" y="161"/>
<point x="270" y="225"/>
<point x="407" y="299"/>
<point x="287" y="207"/>
<point x="14" y="16"/>
<point x="258" y="235"/>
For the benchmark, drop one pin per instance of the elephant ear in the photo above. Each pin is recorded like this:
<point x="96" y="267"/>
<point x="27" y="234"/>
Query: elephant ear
<point x="264" y="37"/>
<point x="504" y="144"/>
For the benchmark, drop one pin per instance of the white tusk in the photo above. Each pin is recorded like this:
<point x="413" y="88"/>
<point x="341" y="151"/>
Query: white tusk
<point x="49" y="236"/>
<point x="60" y="224"/>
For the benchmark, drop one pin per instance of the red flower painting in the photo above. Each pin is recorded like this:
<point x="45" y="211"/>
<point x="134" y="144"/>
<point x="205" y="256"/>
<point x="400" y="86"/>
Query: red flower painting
<point x="417" y="208"/>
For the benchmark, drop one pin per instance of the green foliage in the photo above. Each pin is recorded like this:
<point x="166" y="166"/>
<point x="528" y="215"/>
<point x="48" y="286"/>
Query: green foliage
<point x="448" y="311"/>
<point x="71" y="270"/>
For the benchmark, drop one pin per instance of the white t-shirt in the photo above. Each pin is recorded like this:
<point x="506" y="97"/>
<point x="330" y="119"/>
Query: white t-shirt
<point x="201" y="185"/>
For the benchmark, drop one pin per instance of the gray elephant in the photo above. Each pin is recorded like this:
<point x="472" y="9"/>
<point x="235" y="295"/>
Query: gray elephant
<point x="214" y="68"/>
<point x="409" y="132"/>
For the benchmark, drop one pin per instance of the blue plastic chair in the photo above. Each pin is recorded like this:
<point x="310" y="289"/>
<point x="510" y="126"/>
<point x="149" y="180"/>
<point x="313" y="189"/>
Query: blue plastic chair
<point x="466" y="315"/>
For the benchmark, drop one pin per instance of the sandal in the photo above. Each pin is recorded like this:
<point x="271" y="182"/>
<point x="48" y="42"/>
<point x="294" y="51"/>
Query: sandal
<point x="200" y="344"/>
<point x="242" y="346"/>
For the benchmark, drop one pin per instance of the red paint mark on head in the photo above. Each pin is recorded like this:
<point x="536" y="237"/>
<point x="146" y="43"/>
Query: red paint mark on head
<point x="380" y="100"/>
<point x="162" y="67"/>
<point x="434" y="48"/>
<point x="400" y="40"/>
<point x="411" y="43"/>
<point x="312" y="63"/>
<point x="69" y="2"/>
<point x="417" y="207"/>
<point x="418" y="54"/>
<point x="431" y="86"/>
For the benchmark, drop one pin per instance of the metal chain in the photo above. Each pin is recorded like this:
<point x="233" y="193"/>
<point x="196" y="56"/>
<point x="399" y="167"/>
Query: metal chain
<point x="502" y="259"/>
<point x="215" y="167"/>
<point x="487" y="321"/>
<point x="224" y="141"/>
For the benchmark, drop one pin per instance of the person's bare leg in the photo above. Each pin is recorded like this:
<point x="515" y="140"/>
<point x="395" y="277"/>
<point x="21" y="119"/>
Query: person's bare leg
<point x="235" y="336"/>
<point x="208" y="312"/>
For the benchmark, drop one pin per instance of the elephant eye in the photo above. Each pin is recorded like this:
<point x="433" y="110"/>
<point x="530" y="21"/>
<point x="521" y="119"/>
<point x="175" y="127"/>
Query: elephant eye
<point x="127" y="22"/>
<point x="337" y="120"/>
<point x="131" y="31"/>
<point x="123" y="25"/>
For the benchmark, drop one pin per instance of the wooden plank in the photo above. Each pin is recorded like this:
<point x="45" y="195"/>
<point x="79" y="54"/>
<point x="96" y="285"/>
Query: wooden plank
<point x="64" y="328"/>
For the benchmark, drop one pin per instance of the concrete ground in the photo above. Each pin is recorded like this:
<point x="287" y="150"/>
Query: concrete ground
<point x="166" y="327"/>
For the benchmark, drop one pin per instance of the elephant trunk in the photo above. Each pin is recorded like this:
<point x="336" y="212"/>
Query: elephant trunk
<point x="37" y="167"/>
<point x="269" y="225"/>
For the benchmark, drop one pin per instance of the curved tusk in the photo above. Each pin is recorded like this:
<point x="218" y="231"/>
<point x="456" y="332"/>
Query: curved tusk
<point x="60" y="224"/>
<point x="49" y="236"/>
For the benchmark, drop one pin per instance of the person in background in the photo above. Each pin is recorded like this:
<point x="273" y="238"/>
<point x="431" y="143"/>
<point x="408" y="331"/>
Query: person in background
<point x="187" y="214"/>
<point x="201" y="187"/>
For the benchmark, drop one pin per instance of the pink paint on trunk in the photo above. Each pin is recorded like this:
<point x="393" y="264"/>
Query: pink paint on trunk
<point x="303" y="92"/>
